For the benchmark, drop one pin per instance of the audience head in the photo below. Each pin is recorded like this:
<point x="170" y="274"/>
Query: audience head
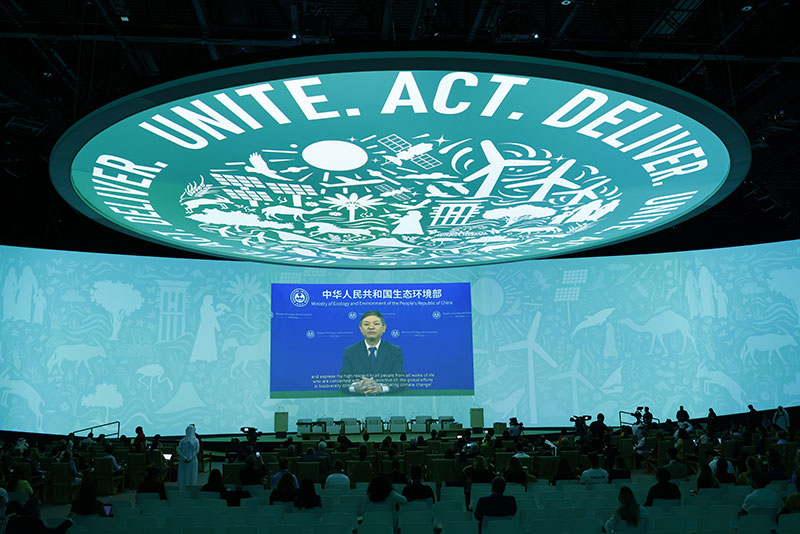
<point x="215" y="478"/>
<point x="250" y="462"/>
<point x="479" y="464"/>
<point x="285" y="486"/>
<point x="403" y="436"/>
<point x="283" y="463"/>
<point x="758" y="480"/>
<point x="338" y="466"/>
<point x="379" y="488"/>
<point x="594" y="460"/>
<point x="396" y="465"/>
<point x="722" y="466"/>
<point x="415" y="473"/>
<point x="498" y="485"/>
<point x="321" y="446"/>
<point x="32" y="508"/>
<point x="139" y="430"/>
<point x="662" y="475"/>
<point x="306" y="495"/>
<point x="601" y="417"/>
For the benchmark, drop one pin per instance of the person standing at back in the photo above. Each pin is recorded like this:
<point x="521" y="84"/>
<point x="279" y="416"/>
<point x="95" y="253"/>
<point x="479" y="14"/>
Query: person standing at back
<point x="187" y="459"/>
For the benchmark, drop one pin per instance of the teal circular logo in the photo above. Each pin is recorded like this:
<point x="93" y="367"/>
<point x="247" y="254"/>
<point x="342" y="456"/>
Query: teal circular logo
<point x="444" y="159"/>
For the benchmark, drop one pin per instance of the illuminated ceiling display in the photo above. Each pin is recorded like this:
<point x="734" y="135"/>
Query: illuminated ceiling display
<point x="400" y="160"/>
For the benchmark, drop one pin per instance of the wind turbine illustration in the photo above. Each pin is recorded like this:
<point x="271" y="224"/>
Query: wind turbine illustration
<point x="530" y="344"/>
<point x="494" y="169"/>
<point x="574" y="375"/>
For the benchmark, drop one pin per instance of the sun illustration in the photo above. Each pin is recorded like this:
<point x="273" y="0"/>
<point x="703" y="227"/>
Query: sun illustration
<point x="389" y="199"/>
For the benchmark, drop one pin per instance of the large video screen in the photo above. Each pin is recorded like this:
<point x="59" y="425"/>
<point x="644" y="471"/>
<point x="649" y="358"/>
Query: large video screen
<point x="160" y="343"/>
<point x="422" y="334"/>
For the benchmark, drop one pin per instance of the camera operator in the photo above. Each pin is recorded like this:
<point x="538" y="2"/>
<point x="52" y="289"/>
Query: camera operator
<point x="598" y="433"/>
<point x="514" y="428"/>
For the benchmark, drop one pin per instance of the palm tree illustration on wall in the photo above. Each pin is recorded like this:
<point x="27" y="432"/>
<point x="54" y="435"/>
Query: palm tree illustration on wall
<point x="353" y="202"/>
<point x="105" y="396"/>
<point x="118" y="299"/>
<point x="245" y="290"/>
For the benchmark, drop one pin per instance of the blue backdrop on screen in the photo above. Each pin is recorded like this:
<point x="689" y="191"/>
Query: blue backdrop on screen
<point x="312" y="324"/>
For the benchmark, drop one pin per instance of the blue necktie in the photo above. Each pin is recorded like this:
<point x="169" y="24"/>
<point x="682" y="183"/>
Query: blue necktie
<point x="373" y="356"/>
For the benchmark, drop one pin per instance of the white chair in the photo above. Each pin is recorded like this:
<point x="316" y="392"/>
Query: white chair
<point x="304" y="425"/>
<point x="460" y="527"/>
<point x="330" y="426"/>
<point x="351" y="425"/>
<point x="421" y="424"/>
<point x="397" y="424"/>
<point x="373" y="424"/>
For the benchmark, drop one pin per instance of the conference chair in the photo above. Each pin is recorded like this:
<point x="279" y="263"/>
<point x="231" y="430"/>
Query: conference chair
<point x="62" y="490"/>
<point x="230" y="473"/>
<point x="373" y="424"/>
<point x="460" y="527"/>
<point x="312" y="470"/>
<point x="136" y="469"/>
<point x="397" y="424"/>
<point x="108" y="480"/>
<point x="421" y="424"/>
<point x="351" y="425"/>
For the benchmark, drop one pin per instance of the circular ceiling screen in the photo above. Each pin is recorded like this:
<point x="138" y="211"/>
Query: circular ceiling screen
<point x="386" y="160"/>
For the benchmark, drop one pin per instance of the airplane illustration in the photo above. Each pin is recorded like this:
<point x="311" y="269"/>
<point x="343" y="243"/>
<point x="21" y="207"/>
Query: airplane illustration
<point x="350" y="182"/>
<point x="497" y="163"/>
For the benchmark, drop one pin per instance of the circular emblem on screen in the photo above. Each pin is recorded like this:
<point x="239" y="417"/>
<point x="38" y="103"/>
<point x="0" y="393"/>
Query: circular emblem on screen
<point x="310" y="334"/>
<point x="395" y="333"/>
<point x="453" y="159"/>
<point x="352" y="315"/>
<point x="436" y="314"/>
<point x="299" y="297"/>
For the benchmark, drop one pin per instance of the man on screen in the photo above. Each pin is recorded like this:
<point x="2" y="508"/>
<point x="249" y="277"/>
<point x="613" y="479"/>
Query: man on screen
<point x="372" y="366"/>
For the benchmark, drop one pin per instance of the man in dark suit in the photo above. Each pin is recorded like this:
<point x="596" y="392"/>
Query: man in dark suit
<point x="372" y="366"/>
<point x="496" y="504"/>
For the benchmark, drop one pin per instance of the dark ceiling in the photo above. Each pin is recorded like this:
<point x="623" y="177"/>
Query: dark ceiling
<point x="61" y="59"/>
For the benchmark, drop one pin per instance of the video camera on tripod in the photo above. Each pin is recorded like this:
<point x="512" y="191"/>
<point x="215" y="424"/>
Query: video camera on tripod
<point x="580" y="423"/>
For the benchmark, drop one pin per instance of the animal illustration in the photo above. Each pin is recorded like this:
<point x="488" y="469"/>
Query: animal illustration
<point x="245" y="354"/>
<point x="593" y="320"/>
<point x="327" y="228"/>
<point x="191" y="205"/>
<point x="25" y="391"/>
<point x="665" y="322"/>
<point x="80" y="353"/>
<point x="769" y="343"/>
<point x="259" y="166"/>
<point x="153" y="371"/>
<point x="296" y="213"/>
<point x="722" y="380"/>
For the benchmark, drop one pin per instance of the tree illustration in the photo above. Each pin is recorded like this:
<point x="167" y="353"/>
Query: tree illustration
<point x="104" y="396"/>
<point x="118" y="299"/>
<point x="787" y="283"/>
<point x="354" y="202"/>
<point x="245" y="290"/>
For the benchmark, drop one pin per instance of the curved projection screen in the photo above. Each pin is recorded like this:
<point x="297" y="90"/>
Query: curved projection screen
<point x="88" y="338"/>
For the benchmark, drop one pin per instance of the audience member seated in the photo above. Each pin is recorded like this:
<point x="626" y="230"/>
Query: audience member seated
<point x="253" y="472"/>
<point x="706" y="478"/>
<point x="496" y="504"/>
<point x="395" y="475"/>
<point x="516" y="474"/>
<point x="415" y="490"/>
<point x="564" y="471"/>
<point x="29" y="522"/>
<point x="110" y="454"/>
<point x="620" y="470"/>
<point x="722" y="471"/>
<point x="629" y="516"/>
<point x="86" y="502"/>
<point x="663" y="488"/>
<point x="677" y="469"/>
<point x="380" y="491"/>
<point x="309" y="456"/>
<point x="745" y="478"/>
<point x="337" y="479"/>
<point x="514" y="428"/>
<point x="152" y="483"/>
<point x="792" y="504"/>
<point x="67" y="458"/>
<point x="140" y="440"/>
<point x="479" y="472"/>
<point x="775" y="469"/>
<point x="595" y="474"/>
<point x="18" y="482"/>
<point x="215" y="483"/>
<point x="285" y="491"/>
<point x="761" y="498"/>
<point x="283" y="468"/>
<point x="306" y="497"/>
<point x="519" y="447"/>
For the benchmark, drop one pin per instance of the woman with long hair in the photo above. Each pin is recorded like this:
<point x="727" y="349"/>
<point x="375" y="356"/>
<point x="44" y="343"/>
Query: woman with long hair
<point x="705" y="478"/>
<point x="285" y="491"/>
<point x="629" y="516"/>
<point x="86" y="502"/>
